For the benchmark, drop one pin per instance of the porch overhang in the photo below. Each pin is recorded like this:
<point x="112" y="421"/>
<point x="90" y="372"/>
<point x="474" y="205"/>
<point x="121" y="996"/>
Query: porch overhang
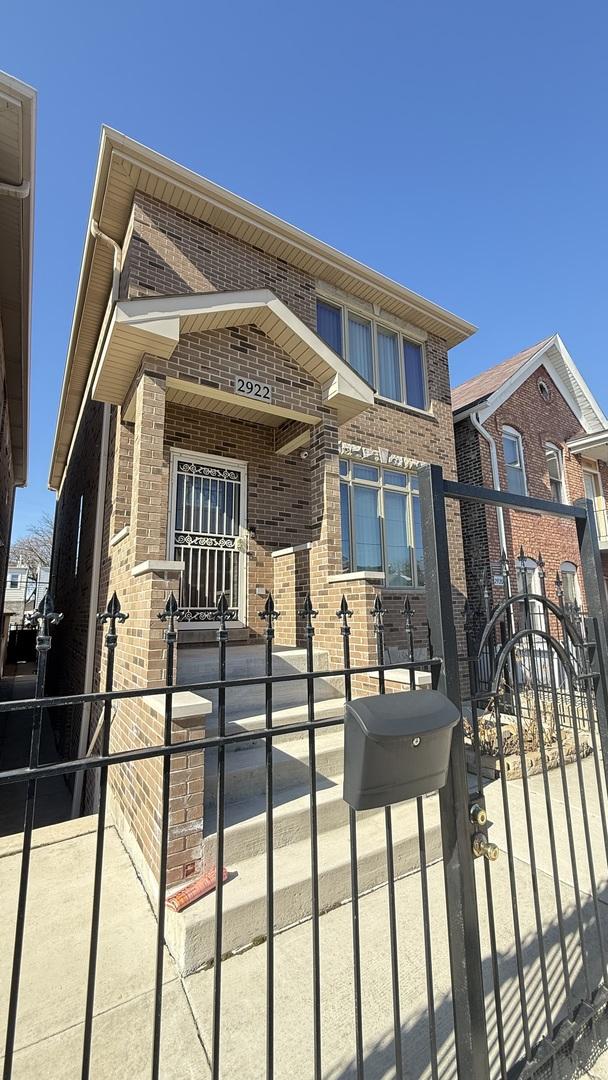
<point x="593" y="446"/>
<point x="154" y="326"/>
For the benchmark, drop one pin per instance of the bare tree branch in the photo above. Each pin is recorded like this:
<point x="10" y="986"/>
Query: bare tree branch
<point x="34" y="548"/>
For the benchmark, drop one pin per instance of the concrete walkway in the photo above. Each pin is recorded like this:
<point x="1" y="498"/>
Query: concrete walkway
<point x="49" y="1032"/>
<point x="53" y="802"/>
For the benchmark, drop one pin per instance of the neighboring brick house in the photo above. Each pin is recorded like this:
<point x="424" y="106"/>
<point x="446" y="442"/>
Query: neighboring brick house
<point x="530" y="425"/>
<point x="243" y="408"/>
<point x="17" y="153"/>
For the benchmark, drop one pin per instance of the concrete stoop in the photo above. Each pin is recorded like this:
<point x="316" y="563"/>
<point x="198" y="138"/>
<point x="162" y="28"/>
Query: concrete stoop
<point x="190" y="935"/>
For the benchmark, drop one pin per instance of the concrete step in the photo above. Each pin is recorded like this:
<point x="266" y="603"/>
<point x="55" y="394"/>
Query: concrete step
<point x="245" y="770"/>
<point x="245" y="821"/>
<point x="296" y="714"/>
<point x="191" y="934"/>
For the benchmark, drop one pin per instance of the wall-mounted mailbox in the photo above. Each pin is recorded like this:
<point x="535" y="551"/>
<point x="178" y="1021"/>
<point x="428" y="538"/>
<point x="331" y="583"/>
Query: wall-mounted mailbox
<point x="396" y="746"/>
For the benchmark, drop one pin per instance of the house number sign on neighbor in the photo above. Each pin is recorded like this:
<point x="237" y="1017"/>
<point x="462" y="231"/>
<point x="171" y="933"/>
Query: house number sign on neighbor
<point x="253" y="388"/>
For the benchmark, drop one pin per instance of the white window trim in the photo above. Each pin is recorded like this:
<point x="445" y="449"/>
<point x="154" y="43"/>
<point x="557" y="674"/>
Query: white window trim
<point x="558" y="450"/>
<point x="513" y="433"/>
<point x="221" y="463"/>
<point x="78" y="536"/>
<point x="392" y="328"/>
<point x="379" y="485"/>
<point x="568" y="567"/>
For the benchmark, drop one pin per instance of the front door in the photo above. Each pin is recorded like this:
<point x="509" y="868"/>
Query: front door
<point x="207" y="531"/>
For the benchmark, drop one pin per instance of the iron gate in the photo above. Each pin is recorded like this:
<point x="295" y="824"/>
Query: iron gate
<point x="524" y="989"/>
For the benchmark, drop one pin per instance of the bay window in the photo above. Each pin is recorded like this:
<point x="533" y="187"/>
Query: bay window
<point x="381" y="525"/>
<point x="387" y="360"/>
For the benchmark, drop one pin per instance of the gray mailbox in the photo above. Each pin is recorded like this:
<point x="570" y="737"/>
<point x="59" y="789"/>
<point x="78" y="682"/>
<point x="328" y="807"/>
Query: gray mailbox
<point x="396" y="746"/>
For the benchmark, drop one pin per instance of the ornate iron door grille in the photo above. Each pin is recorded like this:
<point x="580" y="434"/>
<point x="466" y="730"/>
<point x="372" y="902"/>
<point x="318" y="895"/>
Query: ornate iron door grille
<point x="206" y="538"/>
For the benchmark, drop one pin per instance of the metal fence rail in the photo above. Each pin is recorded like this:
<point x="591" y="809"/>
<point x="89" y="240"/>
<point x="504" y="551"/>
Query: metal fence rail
<point x="105" y="758"/>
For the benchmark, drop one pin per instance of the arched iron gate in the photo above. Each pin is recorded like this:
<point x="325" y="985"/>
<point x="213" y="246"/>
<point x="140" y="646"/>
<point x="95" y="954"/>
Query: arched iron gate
<point x="535" y="742"/>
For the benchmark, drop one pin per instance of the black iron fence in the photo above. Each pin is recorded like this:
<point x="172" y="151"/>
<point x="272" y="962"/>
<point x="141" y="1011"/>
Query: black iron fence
<point x="225" y="738"/>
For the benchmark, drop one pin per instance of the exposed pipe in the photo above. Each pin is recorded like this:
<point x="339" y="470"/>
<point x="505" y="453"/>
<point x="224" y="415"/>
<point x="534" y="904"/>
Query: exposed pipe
<point x="477" y="424"/>
<point x="17" y="191"/>
<point x="89" y="670"/>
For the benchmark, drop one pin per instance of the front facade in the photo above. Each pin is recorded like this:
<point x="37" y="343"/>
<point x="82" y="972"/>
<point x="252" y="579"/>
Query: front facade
<point x="531" y="426"/>
<point x="243" y="412"/>
<point x="17" y="152"/>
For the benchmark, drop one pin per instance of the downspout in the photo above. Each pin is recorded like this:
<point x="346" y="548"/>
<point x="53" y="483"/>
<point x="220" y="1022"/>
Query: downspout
<point x="17" y="191"/>
<point x="89" y="670"/>
<point x="476" y="422"/>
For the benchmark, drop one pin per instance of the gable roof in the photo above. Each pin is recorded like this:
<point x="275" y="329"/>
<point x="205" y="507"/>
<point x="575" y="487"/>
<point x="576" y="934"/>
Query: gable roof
<point x="125" y="166"/>
<point x="479" y="387"/>
<point x="488" y="390"/>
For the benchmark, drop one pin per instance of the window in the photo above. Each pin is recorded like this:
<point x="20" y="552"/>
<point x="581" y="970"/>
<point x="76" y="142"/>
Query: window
<point x="14" y="581"/>
<point x="381" y="524"/>
<point x="329" y="325"/>
<point x="389" y="362"/>
<point x="554" y="459"/>
<point x="543" y="390"/>
<point x="528" y="582"/>
<point x="514" y="461"/>
<point x="567" y="572"/>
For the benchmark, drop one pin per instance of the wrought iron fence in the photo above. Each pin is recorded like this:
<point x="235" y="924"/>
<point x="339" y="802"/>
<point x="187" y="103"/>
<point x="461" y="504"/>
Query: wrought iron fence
<point x="104" y="758"/>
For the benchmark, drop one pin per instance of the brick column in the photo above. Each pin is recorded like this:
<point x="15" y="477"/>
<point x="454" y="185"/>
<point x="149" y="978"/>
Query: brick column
<point x="143" y="584"/>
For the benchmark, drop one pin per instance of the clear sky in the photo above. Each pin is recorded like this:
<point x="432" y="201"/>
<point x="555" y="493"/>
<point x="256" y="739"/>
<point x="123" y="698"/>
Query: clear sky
<point x="459" y="147"/>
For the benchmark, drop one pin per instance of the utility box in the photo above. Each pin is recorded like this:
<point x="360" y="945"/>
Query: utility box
<point x="396" y="746"/>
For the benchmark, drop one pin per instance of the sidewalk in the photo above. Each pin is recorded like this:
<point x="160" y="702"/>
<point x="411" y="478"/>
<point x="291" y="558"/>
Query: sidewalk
<point x="53" y="801"/>
<point x="49" y="1030"/>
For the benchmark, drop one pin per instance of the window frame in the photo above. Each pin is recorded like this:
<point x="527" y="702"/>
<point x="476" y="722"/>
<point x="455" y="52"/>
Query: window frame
<point x="402" y="336"/>
<point x="553" y="448"/>
<point x="516" y="436"/>
<point x="408" y="491"/>
<point x="569" y="571"/>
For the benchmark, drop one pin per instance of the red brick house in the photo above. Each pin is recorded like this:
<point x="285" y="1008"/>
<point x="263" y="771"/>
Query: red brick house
<point x="530" y="425"/>
<point x="243" y="410"/>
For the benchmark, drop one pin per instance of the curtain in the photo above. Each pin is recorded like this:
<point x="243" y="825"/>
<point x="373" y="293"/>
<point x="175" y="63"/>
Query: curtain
<point x="368" y="549"/>
<point x="329" y="325"/>
<point x="389" y="384"/>
<point x="360" y="347"/>
<point x="398" y="558"/>
<point x="345" y="524"/>
<point x="414" y="375"/>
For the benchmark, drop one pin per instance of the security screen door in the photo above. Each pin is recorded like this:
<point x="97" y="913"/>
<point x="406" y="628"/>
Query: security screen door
<point x="208" y="502"/>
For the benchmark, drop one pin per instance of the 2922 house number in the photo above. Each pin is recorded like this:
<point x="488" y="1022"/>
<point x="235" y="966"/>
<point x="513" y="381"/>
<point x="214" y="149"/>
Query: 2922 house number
<point x="253" y="388"/>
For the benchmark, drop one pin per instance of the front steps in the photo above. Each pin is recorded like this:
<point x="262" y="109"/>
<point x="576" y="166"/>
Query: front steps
<point x="191" y="934"/>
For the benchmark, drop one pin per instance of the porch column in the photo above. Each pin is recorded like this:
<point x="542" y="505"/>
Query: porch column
<point x="325" y="558"/>
<point x="143" y="586"/>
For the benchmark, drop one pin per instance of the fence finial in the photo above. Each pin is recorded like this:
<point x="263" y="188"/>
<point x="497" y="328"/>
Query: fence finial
<point x="269" y="611"/>
<point x="344" y="612"/>
<point x="113" y="613"/>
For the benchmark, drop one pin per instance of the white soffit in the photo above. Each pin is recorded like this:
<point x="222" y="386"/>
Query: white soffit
<point x="154" y="326"/>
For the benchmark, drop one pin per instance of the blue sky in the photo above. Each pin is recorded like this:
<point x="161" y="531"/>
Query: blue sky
<point x="461" y="148"/>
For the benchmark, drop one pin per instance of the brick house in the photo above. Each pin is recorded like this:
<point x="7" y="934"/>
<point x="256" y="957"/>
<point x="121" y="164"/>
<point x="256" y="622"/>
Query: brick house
<point x="242" y="410"/>
<point x="530" y="425"/>
<point x="17" y="154"/>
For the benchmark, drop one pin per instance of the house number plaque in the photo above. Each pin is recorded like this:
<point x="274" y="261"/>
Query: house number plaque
<point x="252" y="388"/>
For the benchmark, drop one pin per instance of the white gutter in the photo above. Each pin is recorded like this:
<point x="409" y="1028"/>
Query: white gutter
<point x="477" y="424"/>
<point x="89" y="670"/>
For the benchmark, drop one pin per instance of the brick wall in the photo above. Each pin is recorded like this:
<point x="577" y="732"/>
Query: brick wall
<point x="538" y="422"/>
<point x="171" y="253"/>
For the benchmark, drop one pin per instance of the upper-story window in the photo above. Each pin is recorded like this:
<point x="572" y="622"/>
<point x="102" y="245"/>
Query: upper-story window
<point x="387" y="360"/>
<point x="553" y="456"/>
<point x="13" y="581"/>
<point x="513" y="451"/>
<point x="381" y="525"/>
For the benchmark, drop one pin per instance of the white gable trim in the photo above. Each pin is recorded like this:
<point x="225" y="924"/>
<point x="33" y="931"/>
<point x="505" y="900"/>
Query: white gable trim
<point x="554" y="356"/>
